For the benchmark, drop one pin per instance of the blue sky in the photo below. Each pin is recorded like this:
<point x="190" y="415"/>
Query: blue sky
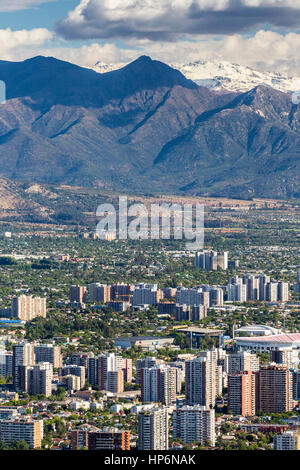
<point x="39" y="16"/>
<point x="263" y="34"/>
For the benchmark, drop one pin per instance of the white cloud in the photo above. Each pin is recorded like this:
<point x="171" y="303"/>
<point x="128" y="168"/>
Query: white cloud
<point x="13" y="44"/>
<point x="171" y="19"/>
<point x="14" y="5"/>
<point x="266" y="50"/>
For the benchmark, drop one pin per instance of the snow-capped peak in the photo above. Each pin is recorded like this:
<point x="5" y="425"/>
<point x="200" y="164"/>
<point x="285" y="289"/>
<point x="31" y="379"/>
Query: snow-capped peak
<point x="223" y="75"/>
<point x="234" y="77"/>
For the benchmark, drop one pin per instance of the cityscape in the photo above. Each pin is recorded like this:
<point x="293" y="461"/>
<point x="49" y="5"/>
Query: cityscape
<point x="148" y="366"/>
<point x="149" y="231"/>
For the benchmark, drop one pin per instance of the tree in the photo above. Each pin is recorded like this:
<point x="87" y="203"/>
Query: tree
<point x="19" y="445"/>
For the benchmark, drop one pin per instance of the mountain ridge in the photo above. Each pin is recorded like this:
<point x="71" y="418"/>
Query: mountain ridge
<point x="223" y="75"/>
<point x="143" y="128"/>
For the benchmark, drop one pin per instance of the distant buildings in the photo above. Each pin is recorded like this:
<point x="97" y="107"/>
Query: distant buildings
<point x="32" y="367"/>
<point x="188" y="313"/>
<point x="23" y="355"/>
<point x="296" y="385"/>
<point x="145" y="342"/>
<point x="71" y="382"/>
<point x="73" y="370"/>
<point x="288" y="357"/>
<point x="251" y="288"/>
<point x="121" y="292"/>
<point x="146" y="294"/>
<point x="109" y="372"/>
<point x="208" y="296"/>
<point x="109" y="439"/>
<point x="296" y="286"/>
<point x="147" y="363"/>
<point x="6" y="363"/>
<point x="99" y="293"/>
<point x="118" y="305"/>
<point x="212" y="260"/>
<point x="26" y="307"/>
<point x="78" y="294"/>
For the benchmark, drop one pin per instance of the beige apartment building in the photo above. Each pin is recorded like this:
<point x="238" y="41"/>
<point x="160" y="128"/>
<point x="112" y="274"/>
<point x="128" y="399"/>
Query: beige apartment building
<point x="27" y="307"/>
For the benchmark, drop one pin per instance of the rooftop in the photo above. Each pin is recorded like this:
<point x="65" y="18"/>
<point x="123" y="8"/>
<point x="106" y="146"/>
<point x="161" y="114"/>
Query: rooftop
<point x="284" y="338"/>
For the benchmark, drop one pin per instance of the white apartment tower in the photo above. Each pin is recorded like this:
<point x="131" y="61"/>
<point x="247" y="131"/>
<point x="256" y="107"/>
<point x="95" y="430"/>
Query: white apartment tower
<point x="153" y="429"/>
<point x="194" y="424"/>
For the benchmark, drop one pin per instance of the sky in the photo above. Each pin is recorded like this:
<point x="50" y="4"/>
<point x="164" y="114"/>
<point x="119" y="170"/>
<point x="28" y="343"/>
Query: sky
<point x="263" y="34"/>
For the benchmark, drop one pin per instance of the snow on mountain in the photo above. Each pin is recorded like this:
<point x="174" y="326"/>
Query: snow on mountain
<point x="234" y="77"/>
<point x="224" y="75"/>
<point x="101" y="67"/>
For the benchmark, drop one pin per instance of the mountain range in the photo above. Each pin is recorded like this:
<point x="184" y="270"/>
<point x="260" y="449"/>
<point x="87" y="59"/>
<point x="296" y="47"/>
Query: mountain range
<point x="146" y="128"/>
<point x="223" y="75"/>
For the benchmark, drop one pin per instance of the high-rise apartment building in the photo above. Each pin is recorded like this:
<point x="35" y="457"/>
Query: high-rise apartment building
<point x="296" y="385"/>
<point x="146" y="363"/>
<point x="112" y="363"/>
<point x="146" y="294"/>
<point x="27" y="429"/>
<point x="80" y="359"/>
<point x="23" y="355"/>
<point x="109" y="439"/>
<point x="208" y="296"/>
<point x="275" y="389"/>
<point x="115" y="381"/>
<point x="271" y="292"/>
<point x="99" y="367"/>
<point x="6" y="363"/>
<point x="194" y="424"/>
<point x="285" y="441"/>
<point x="121" y="292"/>
<point x="250" y="288"/>
<point x="99" y="293"/>
<point x="237" y="290"/>
<point x="72" y="382"/>
<point x="48" y="353"/>
<point x="201" y="379"/>
<point x="158" y="384"/>
<point x="283" y="291"/>
<point x="241" y="361"/>
<point x="79" y="371"/>
<point x="286" y="356"/>
<point x="211" y="260"/>
<point x="242" y="393"/>
<point x="105" y="439"/>
<point x="37" y="379"/>
<point x="190" y="313"/>
<point x="153" y="429"/>
<point x="26" y="307"/>
<point x="78" y="294"/>
<point x="125" y="364"/>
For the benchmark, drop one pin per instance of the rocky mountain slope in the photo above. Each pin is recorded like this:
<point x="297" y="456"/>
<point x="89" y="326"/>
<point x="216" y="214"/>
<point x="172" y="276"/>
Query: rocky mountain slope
<point x="145" y="128"/>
